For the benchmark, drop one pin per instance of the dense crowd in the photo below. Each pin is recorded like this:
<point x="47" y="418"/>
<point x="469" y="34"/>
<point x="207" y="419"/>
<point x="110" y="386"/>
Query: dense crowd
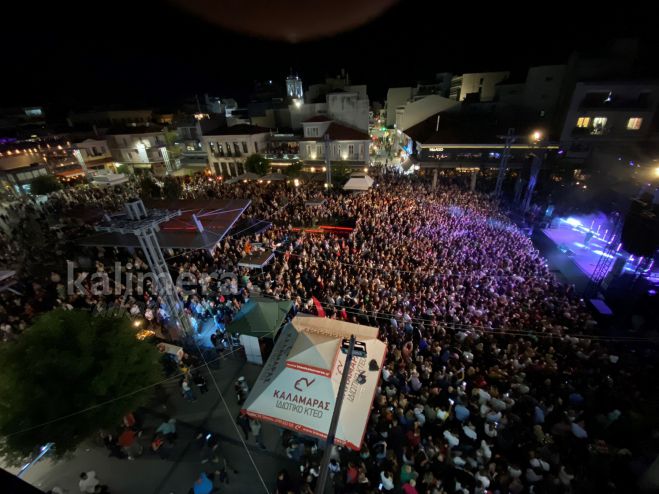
<point x="487" y="384"/>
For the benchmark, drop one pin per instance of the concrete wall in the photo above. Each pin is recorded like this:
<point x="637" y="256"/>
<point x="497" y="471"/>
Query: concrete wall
<point x="348" y="108"/>
<point x="305" y="111"/>
<point x="396" y="97"/>
<point x="417" y="111"/>
<point x="483" y="83"/>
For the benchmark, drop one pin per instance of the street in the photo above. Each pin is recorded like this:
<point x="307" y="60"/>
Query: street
<point x="176" y="475"/>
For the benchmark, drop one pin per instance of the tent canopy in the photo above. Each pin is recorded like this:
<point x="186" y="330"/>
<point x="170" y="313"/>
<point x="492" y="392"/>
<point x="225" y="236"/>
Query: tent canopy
<point x="358" y="181"/>
<point x="298" y="385"/>
<point x="244" y="176"/>
<point x="260" y="317"/>
<point x="274" y="177"/>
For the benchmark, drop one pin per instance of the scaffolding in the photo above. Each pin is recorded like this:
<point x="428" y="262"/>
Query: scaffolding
<point x="145" y="224"/>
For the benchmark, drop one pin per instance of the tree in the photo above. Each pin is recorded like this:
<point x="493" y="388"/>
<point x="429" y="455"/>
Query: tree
<point x="124" y="168"/>
<point x="256" y="163"/>
<point x="75" y="372"/>
<point x="172" y="188"/>
<point x="44" y="184"/>
<point x="294" y="169"/>
<point x="150" y="188"/>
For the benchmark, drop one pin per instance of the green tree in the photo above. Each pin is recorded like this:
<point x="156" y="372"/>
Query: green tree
<point x="150" y="188"/>
<point x="340" y="175"/>
<point x="70" y="374"/>
<point x="124" y="168"/>
<point x="172" y="188"/>
<point x="44" y="184"/>
<point x="256" y="163"/>
<point x="294" y="169"/>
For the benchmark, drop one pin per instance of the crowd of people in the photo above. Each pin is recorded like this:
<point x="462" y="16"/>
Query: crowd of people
<point x="489" y="384"/>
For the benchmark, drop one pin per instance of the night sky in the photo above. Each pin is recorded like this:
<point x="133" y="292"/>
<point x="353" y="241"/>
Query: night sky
<point x="150" y="52"/>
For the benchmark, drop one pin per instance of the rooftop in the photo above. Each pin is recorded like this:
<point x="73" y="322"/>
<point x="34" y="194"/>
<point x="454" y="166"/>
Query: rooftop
<point x="238" y="130"/>
<point x="339" y="132"/>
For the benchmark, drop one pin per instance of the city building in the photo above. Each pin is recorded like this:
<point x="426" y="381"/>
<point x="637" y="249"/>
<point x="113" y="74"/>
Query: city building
<point x="349" y="106"/>
<point x="143" y="146"/>
<point x="397" y="97"/>
<point x="460" y="141"/>
<point x="482" y="85"/>
<point x="19" y="165"/>
<point x="346" y="146"/>
<point x="228" y="147"/>
<point x="417" y="110"/>
<point x="606" y="113"/>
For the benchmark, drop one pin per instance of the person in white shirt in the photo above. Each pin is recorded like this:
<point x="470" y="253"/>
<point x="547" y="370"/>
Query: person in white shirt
<point x="88" y="482"/>
<point x="387" y="480"/>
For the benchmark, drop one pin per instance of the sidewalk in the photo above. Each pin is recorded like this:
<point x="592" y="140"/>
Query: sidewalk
<point x="150" y="474"/>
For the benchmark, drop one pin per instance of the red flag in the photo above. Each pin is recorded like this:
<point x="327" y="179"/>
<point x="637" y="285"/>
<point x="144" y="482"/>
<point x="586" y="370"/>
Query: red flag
<point x="319" y="308"/>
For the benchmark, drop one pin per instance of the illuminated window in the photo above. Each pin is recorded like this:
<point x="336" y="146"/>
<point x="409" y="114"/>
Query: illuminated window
<point x="634" y="123"/>
<point x="583" y="122"/>
<point x="598" y="125"/>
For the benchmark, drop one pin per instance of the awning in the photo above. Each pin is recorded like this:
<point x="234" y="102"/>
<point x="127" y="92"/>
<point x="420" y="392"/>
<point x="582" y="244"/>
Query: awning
<point x="257" y="259"/>
<point x="358" y="182"/>
<point x="273" y="177"/>
<point x="298" y="385"/>
<point x="260" y="317"/>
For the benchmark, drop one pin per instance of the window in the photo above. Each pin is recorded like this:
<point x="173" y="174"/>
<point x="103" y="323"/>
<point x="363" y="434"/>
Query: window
<point x="583" y="122"/>
<point x="211" y="146"/>
<point x="244" y="147"/>
<point x="256" y="147"/>
<point x="634" y="123"/>
<point x="320" y="149"/>
<point x="313" y="132"/>
<point x="220" y="148"/>
<point x="351" y="149"/>
<point x="236" y="148"/>
<point x="598" y="125"/>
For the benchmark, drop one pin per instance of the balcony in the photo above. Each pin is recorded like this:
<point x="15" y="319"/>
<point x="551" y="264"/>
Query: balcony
<point x="282" y="156"/>
<point x="602" y="101"/>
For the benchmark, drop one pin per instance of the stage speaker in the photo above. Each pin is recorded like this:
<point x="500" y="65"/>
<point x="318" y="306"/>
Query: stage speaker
<point x="640" y="232"/>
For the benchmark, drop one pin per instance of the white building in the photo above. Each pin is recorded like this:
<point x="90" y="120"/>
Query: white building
<point x="350" y="107"/>
<point x="228" y="147"/>
<point x="142" y="146"/>
<point x="397" y="97"/>
<point x="481" y="83"/>
<point x="346" y="146"/>
<point x="416" y="111"/>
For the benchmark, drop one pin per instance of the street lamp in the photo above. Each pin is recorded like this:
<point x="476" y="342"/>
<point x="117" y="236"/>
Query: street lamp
<point x="536" y="136"/>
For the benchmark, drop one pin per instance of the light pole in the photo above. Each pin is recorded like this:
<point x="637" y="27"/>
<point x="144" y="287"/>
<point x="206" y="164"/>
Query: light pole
<point x="535" y="169"/>
<point x="324" y="464"/>
<point x="503" y="164"/>
<point x="328" y="161"/>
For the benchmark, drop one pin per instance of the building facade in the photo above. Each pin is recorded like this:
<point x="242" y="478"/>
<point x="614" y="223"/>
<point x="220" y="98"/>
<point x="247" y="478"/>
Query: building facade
<point x="143" y="147"/>
<point x="605" y="113"/>
<point x="480" y="84"/>
<point x="324" y="139"/>
<point x="227" y="148"/>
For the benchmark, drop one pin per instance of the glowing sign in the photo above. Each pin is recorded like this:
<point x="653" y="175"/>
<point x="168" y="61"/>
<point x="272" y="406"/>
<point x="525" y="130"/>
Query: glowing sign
<point x="436" y="149"/>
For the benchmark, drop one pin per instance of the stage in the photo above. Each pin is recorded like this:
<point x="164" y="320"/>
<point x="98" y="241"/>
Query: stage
<point x="584" y="241"/>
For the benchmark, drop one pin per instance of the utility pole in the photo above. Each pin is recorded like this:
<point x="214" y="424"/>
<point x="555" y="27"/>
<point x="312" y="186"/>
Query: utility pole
<point x="503" y="164"/>
<point x="324" y="464"/>
<point x="328" y="161"/>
